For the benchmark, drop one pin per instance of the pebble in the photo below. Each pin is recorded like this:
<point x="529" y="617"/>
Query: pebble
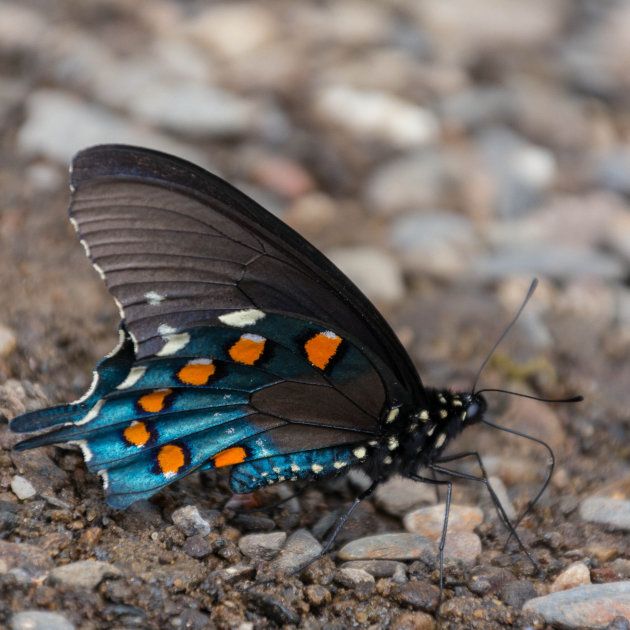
<point x="417" y="595"/>
<point x="413" y="621"/>
<point x="190" y="522"/>
<point x="517" y="592"/>
<point x="34" y="562"/>
<point x="484" y="580"/>
<point x="262" y="546"/>
<point x="22" y="488"/>
<point x="374" y="271"/>
<point x="356" y="579"/>
<point x="388" y="547"/>
<point x="40" y="620"/>
<point x="377" y="568"/>
<point x="57" y="125"/>
<point x="8" y="341"/>
<point x="606" y="511"/>
<point x="84" y="573"/>
<point x="299" y="548"/>
<point x="462" y="548"/>
<point x="591" y="606"/>
<point x="374" y="115"/>
<point x="429" y="521"/>
<point x="232" y="575"/>
<point x="197" y="546"/>
<point x="399" y="495"/>
<point x="576" y="574"/>
<point x="317" y="595"/>
<point x="488" y="506"/>
<point x="440" y="243"/>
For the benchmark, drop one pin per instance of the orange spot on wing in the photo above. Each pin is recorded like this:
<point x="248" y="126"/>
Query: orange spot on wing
<point x="154" y="402"/>
<point x="171" y="459"/>
<point x="248" y="349"/>
<point x="196" y="372"/>
<point x="321" y="348"/>
<point x="137" y="434"/>
<point x="230" y="456"/>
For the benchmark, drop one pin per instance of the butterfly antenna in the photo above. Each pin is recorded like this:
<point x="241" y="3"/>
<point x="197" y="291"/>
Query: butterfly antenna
<point x="530" y="292"/>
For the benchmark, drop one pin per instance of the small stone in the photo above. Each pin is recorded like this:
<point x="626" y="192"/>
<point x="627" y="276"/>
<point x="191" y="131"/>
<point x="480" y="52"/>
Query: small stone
<point x="388" y="547"/>
<point x="317" y="595"/>
<point x="377" y="568"/>
<point x="429" y="521"/>
<point x="576" y="574"/>
<point x="399" y="495"/>
<point x="486" y="580"/>
<point x="22" y="488"/>
<point x="8" y="341"/>
<point x="374" y="271"/>
<point x="377" y="115"/>
<point x="417" y="594"/>
<point x="413" y="621"/>
<point x="30" y="559"/>
<point x="299" y="548"/>
<point x="516" y="593"/>
<point x="487" y="505"/>
<point x="357" y="579"/>
<point x="606" y="511"/>
<point x="40" y="620"/>
<point x="84" y="573"/>
<point x="190" y="522"/>
<point x="590" y="606"/>
<point x="262" y="546"/>
<point x="197" y="546"/>
<point x="462" y="547"/>
<point x="231" y="575"/>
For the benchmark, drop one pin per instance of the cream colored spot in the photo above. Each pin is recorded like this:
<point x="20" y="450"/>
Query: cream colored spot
<point x="464" y="414"/>
<point x="359" y="452"/>
<point x="392" y="445"/>
<point x="372" y="442"/>
<point x="153" y="298"/>
<point x="92" y="413"/>
<point x="392" y="415"/>
<point x="295" y="468"/>
<point x="440" y="440"/>
<point x="423" y="415"/>
<point x="316" y="468"/>
<point x="457" y="402"/>
<point x="175" y="343"/>
<point x="430" y="430"/>
<point x="135" y="374"/>
<point x="277" y="470"/>
<point x="240" y="319"/>
<point x="98" y="268"/>
<point x="442" y="399"/>
<point x="443" y="414"/>
<point x="412" y="427"/>
<point x="339" y="465"/>
<point x="387" y="460"/>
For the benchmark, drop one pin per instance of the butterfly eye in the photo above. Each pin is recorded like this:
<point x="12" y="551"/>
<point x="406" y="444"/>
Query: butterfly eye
<point x="476" y="409"/>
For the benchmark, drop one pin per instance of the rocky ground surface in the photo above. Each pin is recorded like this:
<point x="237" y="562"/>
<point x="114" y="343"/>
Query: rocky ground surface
<point x="442" y="153"/>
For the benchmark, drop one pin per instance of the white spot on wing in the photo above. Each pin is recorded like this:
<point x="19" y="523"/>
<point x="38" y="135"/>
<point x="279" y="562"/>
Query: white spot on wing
<point x="392" y="415"/>
<point x="339" y="465"/>
<point x="135" y="374"/>
<point x="92" y="413"/>
<point x="86" y="247"/>
<point x="174" y="344"/>
<point x="166" y="331"/>
<point x="440" y="440"/>
<point x="153" y="298"/>
<point x="240" y="319"/>
<point x="119" y="306"/>
<point x="359" y="452"/>
<point x="104" y="478"/>
<point x="316" y="468"/>
<point x="252" y="337"/>
<point x="99" y="270"/>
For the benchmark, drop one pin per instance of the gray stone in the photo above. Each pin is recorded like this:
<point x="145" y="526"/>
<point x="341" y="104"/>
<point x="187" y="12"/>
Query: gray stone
<point x="607" y="511"/>
<point x="58" y="125"/>
<point x="374" y="271"/>
<point x="388" y="547"/>
<point x="300" y="547"/>
<point x="190" y="522"/>
<point x="33" y="561"/>
<point x="591" y="606"/>
<point x="463" y="548"/>
<point x="377" y="568"/>
<point x="197" y="546"/>
<point x="399" y="495"/>
<point x="84" y="573"/>
<point x="22" y="488"/>
<point x="377" y="115"/>
<point x="429" y="521"/>
<point x="40" y="620"/>
<point x="356" y="579"/>
<point x="262" y="546"/>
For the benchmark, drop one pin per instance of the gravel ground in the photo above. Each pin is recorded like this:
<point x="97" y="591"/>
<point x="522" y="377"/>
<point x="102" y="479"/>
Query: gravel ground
<point x="443" y="154"/>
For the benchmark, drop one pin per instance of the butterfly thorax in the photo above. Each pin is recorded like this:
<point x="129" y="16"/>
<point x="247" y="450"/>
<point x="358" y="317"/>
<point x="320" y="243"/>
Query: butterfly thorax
<point x="418" y="438"/>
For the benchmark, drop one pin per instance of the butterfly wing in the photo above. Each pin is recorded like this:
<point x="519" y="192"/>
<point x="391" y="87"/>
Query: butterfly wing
<point x="208" y="281"/>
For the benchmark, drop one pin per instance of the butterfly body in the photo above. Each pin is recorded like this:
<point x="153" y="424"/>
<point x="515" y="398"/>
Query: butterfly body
<point x="241" y="345"/>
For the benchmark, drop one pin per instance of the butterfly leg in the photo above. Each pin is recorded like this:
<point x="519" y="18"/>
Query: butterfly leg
<point x="449" y="489"/>
<point x="435" y="466"/>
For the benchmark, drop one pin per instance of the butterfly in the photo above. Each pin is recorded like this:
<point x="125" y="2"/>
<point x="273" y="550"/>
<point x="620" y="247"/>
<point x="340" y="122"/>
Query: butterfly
<point x="240" y="345"/>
